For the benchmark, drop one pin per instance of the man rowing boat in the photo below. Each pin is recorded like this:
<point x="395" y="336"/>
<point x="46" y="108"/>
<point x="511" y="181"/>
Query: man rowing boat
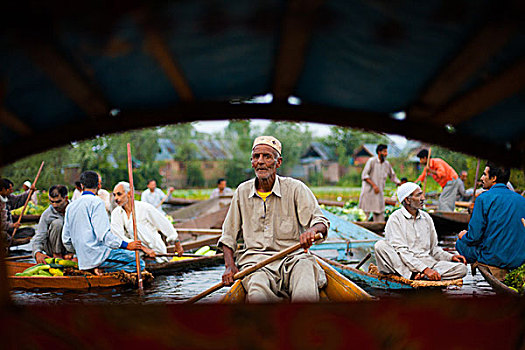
<point x="87" y="233"/>
<point x="445" y="176"/>
<point x="149" y="222"/>
<point x="271" y="213"/>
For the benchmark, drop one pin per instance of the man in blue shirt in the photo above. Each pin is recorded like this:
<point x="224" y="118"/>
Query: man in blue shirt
<point x="496" y="235"/>
<point x="87" y="232"/>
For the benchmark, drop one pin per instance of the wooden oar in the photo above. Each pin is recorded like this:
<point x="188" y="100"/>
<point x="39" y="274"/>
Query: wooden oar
<point x="208" y="231"/>
<point x="183" y="255"/>
<point x="131" y="188"/>
<point x="475" y="183"/>
<point x="244" y="273"/>
<point x="25" y="204"/>
<point x="19" y="257"/>
<point x="427" y="167"/>
<point x="162" y="201"/>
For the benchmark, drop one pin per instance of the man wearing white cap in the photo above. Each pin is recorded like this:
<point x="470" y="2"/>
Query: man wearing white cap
<point x="271" y="213"/>
<point x="34" y="198"/>
<point x="410" y="247"/>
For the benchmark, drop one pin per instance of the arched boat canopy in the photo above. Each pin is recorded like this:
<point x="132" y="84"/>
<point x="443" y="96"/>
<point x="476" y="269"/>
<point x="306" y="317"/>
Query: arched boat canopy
<point x="454" y="69"/>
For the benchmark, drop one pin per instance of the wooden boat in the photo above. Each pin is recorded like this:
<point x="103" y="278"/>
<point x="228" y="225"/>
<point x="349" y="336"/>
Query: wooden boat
<point x="498" y="286"/>
<point x="184" y="265"/>
<point x="450" y="221"/>
<point x="376" y="227"/>
<point x="338" y="289"/>
<point x="347" y="238"/>
<point x="27" y="218"/>
<point x="200" y="208"/>
<point x="115" y="279"/>
<point x="377" y="280"/>
<point x="181" y="201"/>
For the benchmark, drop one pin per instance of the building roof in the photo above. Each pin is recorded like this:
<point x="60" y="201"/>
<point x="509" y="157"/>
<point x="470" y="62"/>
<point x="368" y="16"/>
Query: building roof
<point x="205" y="150"/>
<point x="317" y="150"/>
<point x="80" y="69"/>
<point x="370" y="150"/>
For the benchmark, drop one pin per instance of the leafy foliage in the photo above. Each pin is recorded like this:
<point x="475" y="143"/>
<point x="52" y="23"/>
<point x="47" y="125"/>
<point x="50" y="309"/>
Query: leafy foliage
<point x="516" y="279"/>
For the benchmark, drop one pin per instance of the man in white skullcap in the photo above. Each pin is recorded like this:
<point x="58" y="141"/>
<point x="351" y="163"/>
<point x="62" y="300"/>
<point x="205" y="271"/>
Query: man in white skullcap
<point x="34" y="198"/>
<point x="410" y="248"/>
<point x="271" y="213"/>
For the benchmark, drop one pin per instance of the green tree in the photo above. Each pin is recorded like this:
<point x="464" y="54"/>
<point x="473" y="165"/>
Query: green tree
<point x="294" y="142"/>
<point x="238" y="135"/>
<point x="344" y="141"/>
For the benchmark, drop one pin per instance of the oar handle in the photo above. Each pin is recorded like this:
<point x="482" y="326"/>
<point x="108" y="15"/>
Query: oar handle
<point x="244" y="273"/>
<point x="426" y="171"/>
<point x="134" y="216"/>
<point x="27" y="201"/>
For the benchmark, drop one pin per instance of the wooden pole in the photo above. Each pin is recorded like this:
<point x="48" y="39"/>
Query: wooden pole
<point x="131" y="188"/>
<point x="25" y="204"/>
<point x="244" y="273"/>
<point x="475" y="183"/>
<point x="426" y="171"/>
<point x="19" y="257"/>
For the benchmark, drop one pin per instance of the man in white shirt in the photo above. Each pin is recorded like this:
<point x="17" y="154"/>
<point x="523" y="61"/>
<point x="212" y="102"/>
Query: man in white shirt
<point x="77" y="193"/>
<point x="410" y="247"/>
<point x="149" y="222"/>
<point x="154" y="195"/>
<point x="221" y="189"/>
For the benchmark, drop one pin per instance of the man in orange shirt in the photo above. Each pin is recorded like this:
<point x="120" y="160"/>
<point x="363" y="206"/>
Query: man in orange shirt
<point x="445" y="176"/>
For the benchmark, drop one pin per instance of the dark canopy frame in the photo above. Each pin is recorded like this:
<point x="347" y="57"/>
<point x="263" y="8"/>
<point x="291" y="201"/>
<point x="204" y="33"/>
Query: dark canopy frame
<point x="455" y="68"/>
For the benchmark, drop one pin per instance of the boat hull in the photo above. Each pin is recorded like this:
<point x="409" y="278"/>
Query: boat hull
<point x="184" y="265"/>
<point x="337" y="289"/>
<point x="57" y="282"/>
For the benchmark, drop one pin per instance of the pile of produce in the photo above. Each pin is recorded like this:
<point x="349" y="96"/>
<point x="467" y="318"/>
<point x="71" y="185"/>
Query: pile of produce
<point x="350" y="211"/>
<point x="204" y="251"/>
<point x="52" y="267"/>
<point x="31" y="209"/>
<point x="515" y="279"/>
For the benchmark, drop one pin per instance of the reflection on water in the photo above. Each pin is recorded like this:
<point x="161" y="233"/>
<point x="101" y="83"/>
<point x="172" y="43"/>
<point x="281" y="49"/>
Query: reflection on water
<point x="163" y="289"/>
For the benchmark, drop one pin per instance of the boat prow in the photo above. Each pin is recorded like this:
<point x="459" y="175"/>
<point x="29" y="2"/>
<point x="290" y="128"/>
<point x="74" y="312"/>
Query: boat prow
<point x="338" y="289"/>
<point x="114" y="279"/>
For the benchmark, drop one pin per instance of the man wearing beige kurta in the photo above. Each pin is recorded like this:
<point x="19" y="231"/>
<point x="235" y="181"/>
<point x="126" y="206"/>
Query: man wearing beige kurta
<point x="410" y="247"/>
<point x="374" y="175"/>
<point x="271" y="213"/>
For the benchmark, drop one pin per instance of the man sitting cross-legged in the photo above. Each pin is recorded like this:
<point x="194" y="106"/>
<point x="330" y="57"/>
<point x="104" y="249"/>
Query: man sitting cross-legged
<point x="410" y="247"/>
<point x="149" y="222"/>
<point x="48" y="239"/>
<point x="87" y="233"/>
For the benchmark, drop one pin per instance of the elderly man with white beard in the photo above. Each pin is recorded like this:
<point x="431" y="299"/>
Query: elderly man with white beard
<point x="149" y="222"/>
<point x="410" y="247"/>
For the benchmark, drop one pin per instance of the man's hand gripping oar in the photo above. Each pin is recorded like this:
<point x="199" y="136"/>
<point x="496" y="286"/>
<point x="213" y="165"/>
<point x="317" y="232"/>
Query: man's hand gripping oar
<point x="305" y="242"/>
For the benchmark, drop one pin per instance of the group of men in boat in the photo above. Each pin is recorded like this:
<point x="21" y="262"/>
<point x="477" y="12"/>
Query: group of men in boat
<point x="82" y="228"/>
<point x="270" y="213"/>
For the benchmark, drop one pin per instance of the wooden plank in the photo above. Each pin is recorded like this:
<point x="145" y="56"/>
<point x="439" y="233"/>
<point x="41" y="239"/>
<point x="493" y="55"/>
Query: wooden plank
<point x="66" y="77"/>
<point x="200" y="231"/>
<point x="196" y="244"/>
<point x="208" y="110"/>
<point x="158" y="48"/>
<point x="295" y="38"/>
<point x="474" y="55"/>
<point x="14" y="123"/>
<point x="478" y="100"/>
